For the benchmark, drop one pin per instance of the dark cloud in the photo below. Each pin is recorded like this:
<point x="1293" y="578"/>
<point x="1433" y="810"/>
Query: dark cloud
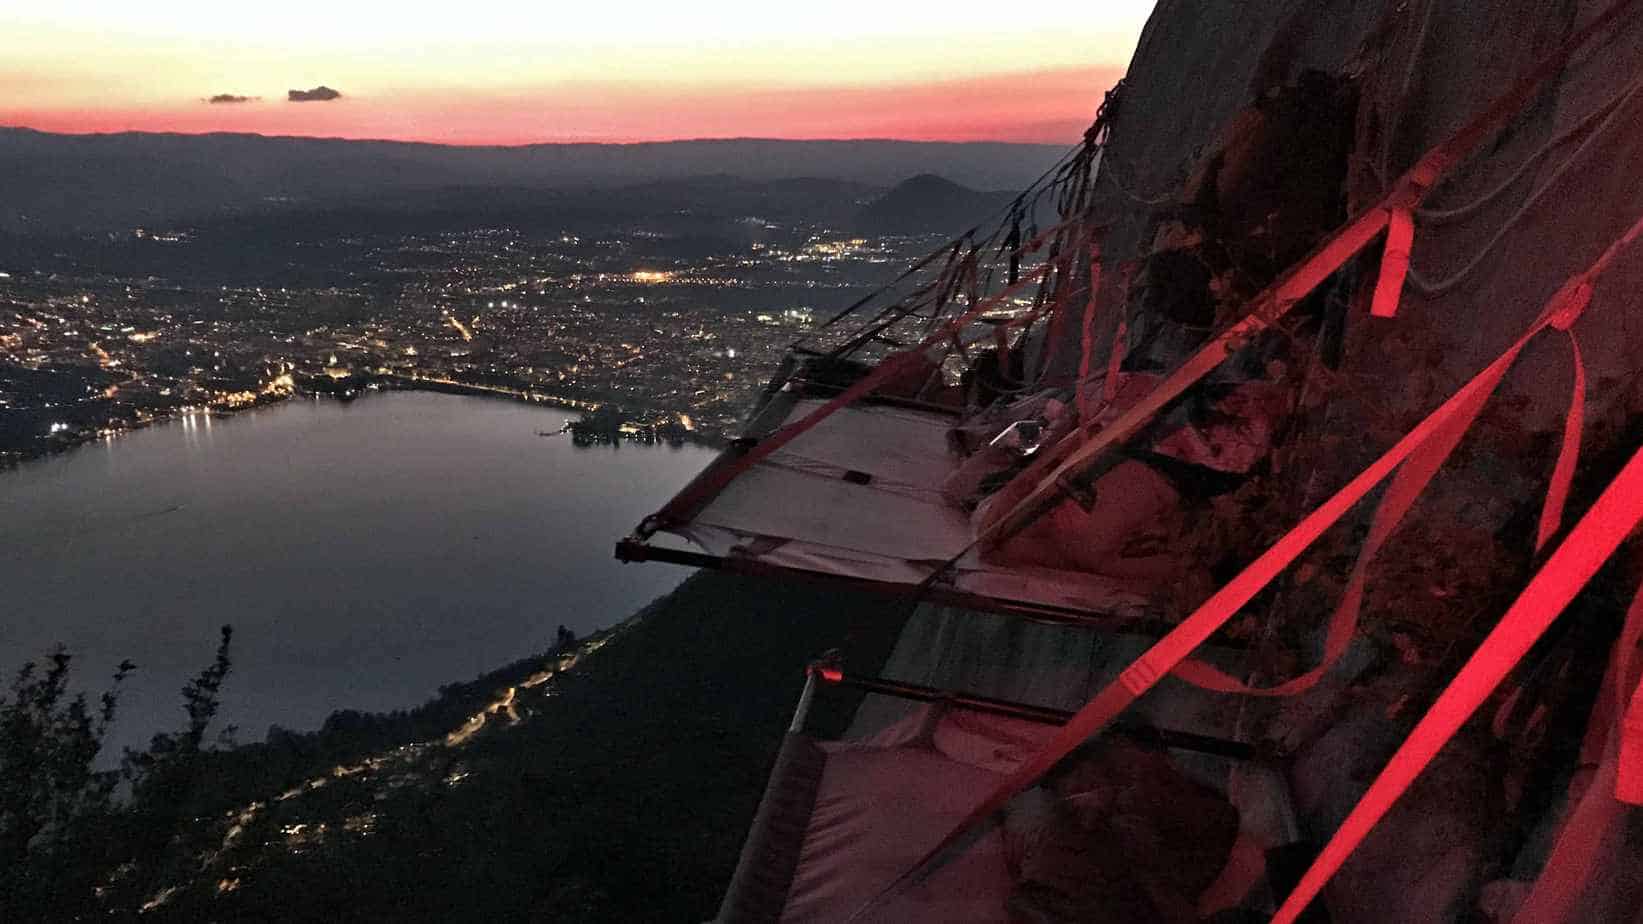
<point x="320" y="94"/>
<point x="231" y="98"/>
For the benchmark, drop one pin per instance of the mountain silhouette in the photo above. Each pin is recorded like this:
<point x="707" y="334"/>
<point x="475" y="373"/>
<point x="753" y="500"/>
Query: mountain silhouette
<point x="929" y="203"/>
<point x="55" y="183"/>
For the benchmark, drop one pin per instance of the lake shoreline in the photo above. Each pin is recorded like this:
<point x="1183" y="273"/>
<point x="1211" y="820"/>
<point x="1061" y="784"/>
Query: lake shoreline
<point x="78" y="439"/>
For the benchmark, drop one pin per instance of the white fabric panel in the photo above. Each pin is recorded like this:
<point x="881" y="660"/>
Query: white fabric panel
<point x="773" y="501"/>
<point x="894" y="444"/>
<point x="800" y="492"/>
<point x="795" y="510"/>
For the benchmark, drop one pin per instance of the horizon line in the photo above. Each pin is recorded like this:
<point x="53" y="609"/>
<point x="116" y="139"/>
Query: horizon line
<point x="533" y="144"/>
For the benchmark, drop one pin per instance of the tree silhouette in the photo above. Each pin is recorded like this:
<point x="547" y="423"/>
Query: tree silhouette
<point x="70" y="844"/>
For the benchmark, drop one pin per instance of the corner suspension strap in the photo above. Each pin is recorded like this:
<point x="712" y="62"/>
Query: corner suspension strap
<point x="1440" y="429"/>
<point x="1400" y="237"/>
<point x="1563" y="473"/>
<point x="1611" y="518"/>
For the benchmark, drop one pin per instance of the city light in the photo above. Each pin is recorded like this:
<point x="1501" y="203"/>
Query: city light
<point x="149" y="346"/>
<point x="463" y="328"/>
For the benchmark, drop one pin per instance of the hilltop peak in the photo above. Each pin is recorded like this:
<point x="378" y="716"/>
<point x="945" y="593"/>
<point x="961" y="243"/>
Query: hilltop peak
<point x="929" y="202"/>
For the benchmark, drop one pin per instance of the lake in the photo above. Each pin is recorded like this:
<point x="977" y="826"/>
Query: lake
<point x="365" y="553"/>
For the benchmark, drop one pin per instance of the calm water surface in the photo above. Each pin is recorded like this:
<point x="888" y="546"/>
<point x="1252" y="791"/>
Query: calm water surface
<point x="365" y="553"/>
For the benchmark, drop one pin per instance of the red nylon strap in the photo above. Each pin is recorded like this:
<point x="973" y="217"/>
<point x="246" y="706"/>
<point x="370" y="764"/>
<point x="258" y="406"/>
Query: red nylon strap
<point x="1086" y="355"/>
<point x="1589" y="828"/>
<point x="1628" y="786"/>
<point x="1611" y="518"/>
<point x="1115" y="359"/>
<point x="1563" y="473"/>
<point x="1607" y="712"/>
<point x="1400" y="237"/>
<point x="1495" y="658"/>
<point x="1587" y="834"/>
<point x="1120" y="338"/>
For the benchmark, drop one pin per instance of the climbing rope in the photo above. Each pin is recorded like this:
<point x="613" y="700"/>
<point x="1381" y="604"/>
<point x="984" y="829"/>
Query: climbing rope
<point x="1432" y="289"/>
<point x="1431" y="215"/>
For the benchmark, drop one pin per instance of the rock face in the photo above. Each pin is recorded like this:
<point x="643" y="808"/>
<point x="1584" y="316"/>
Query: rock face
<point x="1264" y="124"/>
<point x="1419" y="70"/>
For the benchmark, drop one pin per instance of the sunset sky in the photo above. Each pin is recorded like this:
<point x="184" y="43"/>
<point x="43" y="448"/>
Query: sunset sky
<point x="515" y="72"/>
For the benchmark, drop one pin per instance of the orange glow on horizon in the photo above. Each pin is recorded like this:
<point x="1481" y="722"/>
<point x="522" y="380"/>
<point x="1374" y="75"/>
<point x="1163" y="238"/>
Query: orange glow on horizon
<point x="504" y="72"/>
<point x="1048" y="107"/>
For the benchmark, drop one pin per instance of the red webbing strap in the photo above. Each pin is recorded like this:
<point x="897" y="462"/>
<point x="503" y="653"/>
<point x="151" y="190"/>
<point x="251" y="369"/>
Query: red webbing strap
<point x="1001" y="331"/>
<point x="1587" y="832"/>
<point x="1608" y="710"/>
<point x="1055" y="331"/>
<point x="1400" y="237"/>
<point x="1624" y="670"/>
<point x="1563" y="473"/>
<point x="1611" y="518"/>
<point x="1628" y="786"/>
<point x="1086" y="356"/>
<point x="1120" y="338"/>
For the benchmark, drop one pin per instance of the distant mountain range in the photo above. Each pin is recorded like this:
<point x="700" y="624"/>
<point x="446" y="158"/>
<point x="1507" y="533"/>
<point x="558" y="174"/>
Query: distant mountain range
<point x="52" y="183"/>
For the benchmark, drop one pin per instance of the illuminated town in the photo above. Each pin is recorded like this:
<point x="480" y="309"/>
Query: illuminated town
<point x="642" y="334"/>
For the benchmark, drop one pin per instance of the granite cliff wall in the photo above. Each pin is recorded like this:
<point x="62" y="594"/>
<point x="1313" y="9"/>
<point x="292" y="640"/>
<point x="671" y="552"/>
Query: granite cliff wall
<point x="1501" y="234"/>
